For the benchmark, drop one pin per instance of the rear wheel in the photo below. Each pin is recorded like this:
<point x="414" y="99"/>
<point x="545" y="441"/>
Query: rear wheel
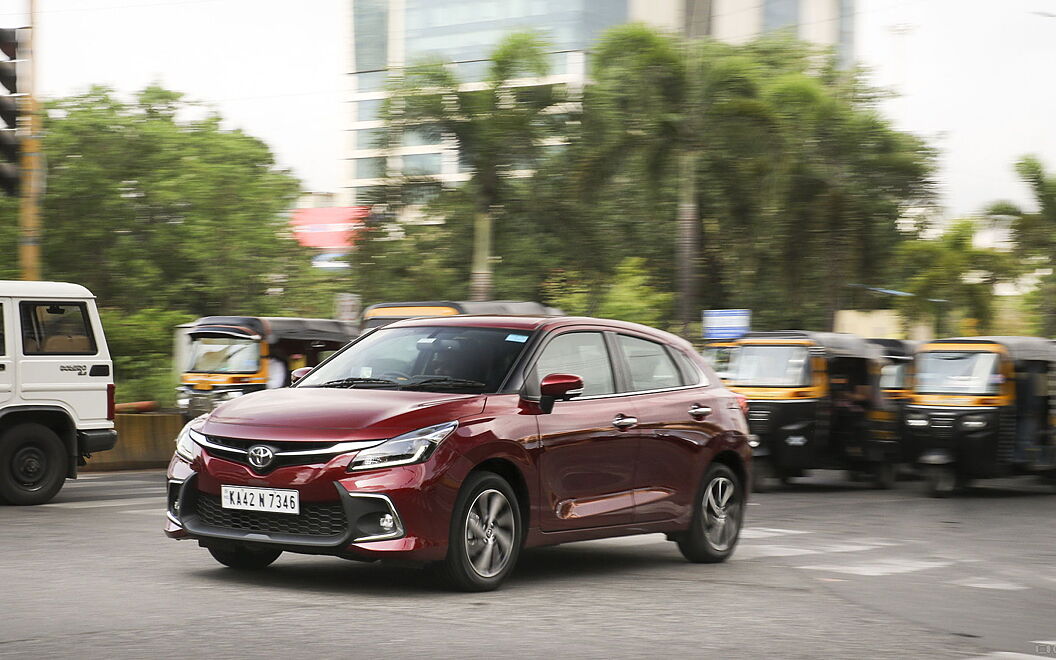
<point x="717" y="518"/>
<point x="485" y="535"/>
<point x="245" y="559"/>
<point x="33" y="464"/>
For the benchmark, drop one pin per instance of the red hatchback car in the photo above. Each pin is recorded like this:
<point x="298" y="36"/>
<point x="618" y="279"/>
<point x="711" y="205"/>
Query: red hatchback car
<point x="458" y="441"/>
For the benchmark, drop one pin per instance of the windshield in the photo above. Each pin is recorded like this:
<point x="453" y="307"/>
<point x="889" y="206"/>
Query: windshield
<point x="720" y="358"/>
<point x="958" y="372"/>
<point x="437" y="359"/>
<point x="770" y="366"/>
<point x="224" y="355"/>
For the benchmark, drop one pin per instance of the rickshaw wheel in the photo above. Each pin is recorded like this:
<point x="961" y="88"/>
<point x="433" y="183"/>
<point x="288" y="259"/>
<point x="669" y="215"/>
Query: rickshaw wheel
<point x="884" y="475"/>
<point x="939" y="481"/>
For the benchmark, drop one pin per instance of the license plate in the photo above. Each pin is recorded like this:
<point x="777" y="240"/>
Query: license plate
<point x="275" y="500"/>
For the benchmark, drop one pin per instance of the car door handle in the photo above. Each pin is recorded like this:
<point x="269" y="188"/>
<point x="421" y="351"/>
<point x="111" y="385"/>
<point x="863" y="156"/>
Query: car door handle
<point x="698" y="411"/>
<point x="624" y="422"/>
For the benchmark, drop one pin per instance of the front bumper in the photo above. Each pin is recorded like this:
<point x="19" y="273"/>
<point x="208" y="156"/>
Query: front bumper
<point x="339" y="509"/>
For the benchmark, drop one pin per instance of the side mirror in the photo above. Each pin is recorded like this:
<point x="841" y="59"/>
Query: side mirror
<point x="558" y="387"/>
<point x="298" y="374"/>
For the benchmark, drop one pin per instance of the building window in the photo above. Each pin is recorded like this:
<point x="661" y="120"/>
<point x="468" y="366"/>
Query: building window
<point x="368" y="110"/>
<point x="419" y="136"/>
<point x="370" y="138"/>
<point x="369" y="168"/>
<point x="780" y="14"/>
<point x="421" y="164"/>
<point x="373" y="81"/>
<point x="371" y="40"/>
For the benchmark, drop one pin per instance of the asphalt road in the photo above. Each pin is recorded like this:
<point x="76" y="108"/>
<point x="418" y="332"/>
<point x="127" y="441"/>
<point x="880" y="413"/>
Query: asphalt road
<point x="824" y="569"/>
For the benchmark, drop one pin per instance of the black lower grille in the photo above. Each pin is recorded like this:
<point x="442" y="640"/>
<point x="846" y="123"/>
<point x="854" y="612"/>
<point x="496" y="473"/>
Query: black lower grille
<point x="315" y="519"/>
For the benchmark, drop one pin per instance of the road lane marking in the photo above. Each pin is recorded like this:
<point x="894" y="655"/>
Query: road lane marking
<point x="749" y="551"/>
<point x="769" y="532"/>
<point x="95" y="504"/>
<point x="880" y="567"/>
<point x="147" y="512"/>
<point x="160" y="483"/>
<point x="981" y="582"/>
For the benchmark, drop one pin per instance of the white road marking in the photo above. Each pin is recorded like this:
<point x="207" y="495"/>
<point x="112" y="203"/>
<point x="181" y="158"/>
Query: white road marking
<point x="982" y="582"/>
<point x="148" y="512"/>
<point x="769" y="532"/>
<point x="1008" y="655"/>
<point x="95" y="504"/>
<point x="106" y="484"/>
<point x="750" y="551"/>
<point x="879" y="567"/>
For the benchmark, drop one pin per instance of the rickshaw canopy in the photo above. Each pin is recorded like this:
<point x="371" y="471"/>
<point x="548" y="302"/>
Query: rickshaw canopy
<point x="1019" y="348"/>
<point x="272" y="329"/>
<point x="835" y="344"/>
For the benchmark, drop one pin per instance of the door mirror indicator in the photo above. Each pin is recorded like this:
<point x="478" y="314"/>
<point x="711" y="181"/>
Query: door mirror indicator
<point x="299" y="374"/>
<point x="558" y="387"/>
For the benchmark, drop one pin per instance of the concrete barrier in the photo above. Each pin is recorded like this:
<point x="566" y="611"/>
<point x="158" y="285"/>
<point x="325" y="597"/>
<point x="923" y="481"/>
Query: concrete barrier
<point x="144" y="440"/>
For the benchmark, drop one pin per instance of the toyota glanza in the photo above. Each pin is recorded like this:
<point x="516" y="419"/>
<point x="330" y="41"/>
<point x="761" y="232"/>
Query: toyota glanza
<point x="455" y="442"/>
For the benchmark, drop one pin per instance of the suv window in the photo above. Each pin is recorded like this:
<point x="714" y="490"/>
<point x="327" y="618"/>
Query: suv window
<point x="651" y="368"/>
<point x="56" y="329"/>
<point x="3" y="339"/>
<point x="691" y="374"/>
<point x="581" y="353"/>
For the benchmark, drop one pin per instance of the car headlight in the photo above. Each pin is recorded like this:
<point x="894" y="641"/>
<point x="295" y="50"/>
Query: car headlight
<point x="974" y="422"/>
<point x="186" y="441"/>
<point x="916" y="419"/>
<point x="413" y="447"/>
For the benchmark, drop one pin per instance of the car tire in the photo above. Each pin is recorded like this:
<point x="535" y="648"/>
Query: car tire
<point x="245" y="559"/>
<point x="718" y="514"/>
<point x="33" y="464"/>
<point x="485" y="535"/>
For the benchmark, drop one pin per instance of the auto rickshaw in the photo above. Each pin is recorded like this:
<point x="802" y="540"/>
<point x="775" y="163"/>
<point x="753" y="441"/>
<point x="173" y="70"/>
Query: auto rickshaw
<point x="719" y="353"/>
<point x="814" y="403"/>
<point x="983" y="407"/>
<point x="234" y="355"/>
<point x="896" y="382"/>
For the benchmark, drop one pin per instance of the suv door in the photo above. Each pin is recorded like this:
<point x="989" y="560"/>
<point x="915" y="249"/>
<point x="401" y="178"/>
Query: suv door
<point x="586" y="464"/>
<point x="7" y="364"/>
<point x="678" y="415"/>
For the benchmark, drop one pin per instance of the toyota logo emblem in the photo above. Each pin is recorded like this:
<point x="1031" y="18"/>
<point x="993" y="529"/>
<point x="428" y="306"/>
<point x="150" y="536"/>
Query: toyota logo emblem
<point x="261" y="456"/>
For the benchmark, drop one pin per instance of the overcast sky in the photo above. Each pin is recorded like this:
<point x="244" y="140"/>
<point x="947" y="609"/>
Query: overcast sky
<point x="975" y="76"/>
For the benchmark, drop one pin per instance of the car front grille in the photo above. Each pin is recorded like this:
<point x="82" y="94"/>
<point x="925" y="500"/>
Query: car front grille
<point x="758" y="420"/>
<point x="316" y="519"/>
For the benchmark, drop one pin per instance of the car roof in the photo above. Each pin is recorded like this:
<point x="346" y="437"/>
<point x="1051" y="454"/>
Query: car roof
<point x="24" y="289"/>
<point x="532" y="323"/>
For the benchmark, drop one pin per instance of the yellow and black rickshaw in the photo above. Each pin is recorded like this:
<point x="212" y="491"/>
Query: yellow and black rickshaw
<point x="234" y="355"/>
<point x="719" y="353"/>
<point x="814" y="403"/>
<point x="983" y="407"/>
<point x="896" y="383"/>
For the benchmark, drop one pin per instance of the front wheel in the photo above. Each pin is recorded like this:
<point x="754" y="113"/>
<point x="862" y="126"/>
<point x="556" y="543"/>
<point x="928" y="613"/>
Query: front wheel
<point x="485" y="535"/>
<point x="33" y="464"/>
<point x="939" y="480"/>
<point x="717" y="517"/>
<point x="884" y="475"/>
<point x="245" y="559"/>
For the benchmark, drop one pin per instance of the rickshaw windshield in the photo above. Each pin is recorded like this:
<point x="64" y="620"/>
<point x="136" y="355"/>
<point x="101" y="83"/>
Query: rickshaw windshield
<point x="720" y="358"/>
<point x="958" y="372"/>
<point x="218" y="355"/>
<point x="770" y="366"/>
<point x="893" y="376"/>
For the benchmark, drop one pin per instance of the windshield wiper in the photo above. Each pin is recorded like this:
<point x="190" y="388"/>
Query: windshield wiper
<point x="443" y="381"/>
<point x="358" y="382"/>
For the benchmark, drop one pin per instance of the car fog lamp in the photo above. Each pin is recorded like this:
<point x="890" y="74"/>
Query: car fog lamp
<point x="406" y="449"/>
<point x="973" y="422"/>
<point x="386" y="522"/>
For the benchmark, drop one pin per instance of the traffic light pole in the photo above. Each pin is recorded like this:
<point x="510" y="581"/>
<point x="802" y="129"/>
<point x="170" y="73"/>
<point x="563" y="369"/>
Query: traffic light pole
<point x="32" y="170"/>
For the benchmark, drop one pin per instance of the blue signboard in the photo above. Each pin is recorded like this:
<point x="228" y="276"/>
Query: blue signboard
<point x="725" y="323"/>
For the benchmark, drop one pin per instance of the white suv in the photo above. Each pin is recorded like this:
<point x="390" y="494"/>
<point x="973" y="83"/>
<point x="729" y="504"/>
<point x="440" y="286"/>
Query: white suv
<point x="56" y="387"/>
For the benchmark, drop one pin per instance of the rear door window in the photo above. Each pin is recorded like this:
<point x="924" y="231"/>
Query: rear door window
<point x="649" y="365"/>
<point x="56" y="328"/>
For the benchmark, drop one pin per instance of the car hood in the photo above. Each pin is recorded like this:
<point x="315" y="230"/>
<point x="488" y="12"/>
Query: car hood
<point x="314" y="414"/>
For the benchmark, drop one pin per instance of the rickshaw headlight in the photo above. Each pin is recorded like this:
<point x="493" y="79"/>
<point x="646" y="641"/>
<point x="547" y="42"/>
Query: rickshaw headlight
<point x="974" y="422"/>
<point x="916" y="419"/>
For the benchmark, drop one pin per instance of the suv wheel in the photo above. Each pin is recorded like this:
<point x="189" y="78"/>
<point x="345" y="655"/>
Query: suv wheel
<point x="717" y="518"/>
<point x="33" y="464"/>
<point x="485" y="536"/>
<point x="245" y="559"/>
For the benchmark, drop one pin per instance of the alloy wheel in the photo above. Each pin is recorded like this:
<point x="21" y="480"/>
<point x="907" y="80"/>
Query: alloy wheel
<point x="490" y="533"/>
<point x="722" y="511"/>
